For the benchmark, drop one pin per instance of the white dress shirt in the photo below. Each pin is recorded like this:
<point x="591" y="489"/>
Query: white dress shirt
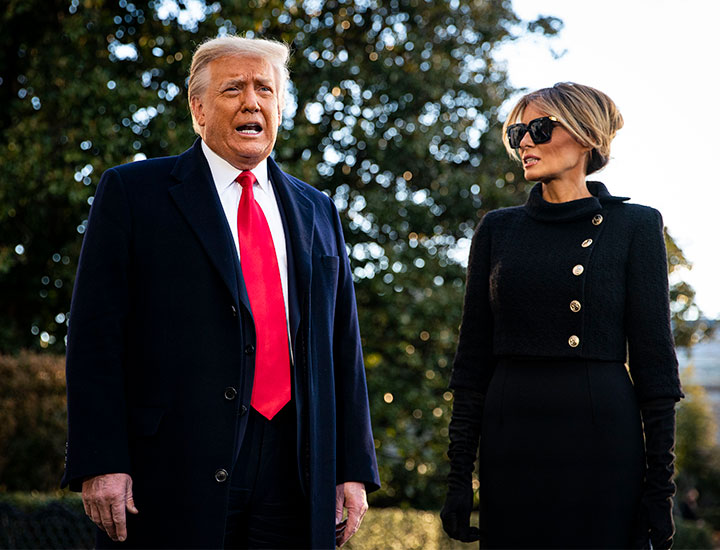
<point x="230" y="191"/>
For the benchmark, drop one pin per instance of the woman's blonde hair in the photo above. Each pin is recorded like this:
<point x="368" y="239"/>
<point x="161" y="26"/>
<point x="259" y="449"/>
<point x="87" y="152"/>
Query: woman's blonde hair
<point x="275" y="53"/>
<point x="590" y="116"/>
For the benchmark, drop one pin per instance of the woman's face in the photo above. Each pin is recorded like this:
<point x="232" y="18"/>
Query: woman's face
<point x="561" y="158"/>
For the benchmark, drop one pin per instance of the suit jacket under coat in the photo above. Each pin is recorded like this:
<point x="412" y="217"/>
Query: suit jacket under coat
<point x="160" y="327"/>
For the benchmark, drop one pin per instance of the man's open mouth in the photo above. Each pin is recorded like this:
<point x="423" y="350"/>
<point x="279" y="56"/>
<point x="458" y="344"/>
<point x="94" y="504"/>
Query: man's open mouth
<point x="251" y="129"/>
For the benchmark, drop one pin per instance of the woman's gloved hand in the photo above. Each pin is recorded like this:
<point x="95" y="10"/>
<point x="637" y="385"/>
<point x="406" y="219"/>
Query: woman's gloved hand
<point x="655" y="519"/>
<point x="464" y="431"/>
<point x="455" y="515"/>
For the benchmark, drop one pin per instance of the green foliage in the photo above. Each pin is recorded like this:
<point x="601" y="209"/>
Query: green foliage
<point x="691" y="535"/>
<point x="688" y="326"/>
<point x="396" y="529"/>
<point x="71" y="109"/>
<point x="697" y="450"/>
<point x="33" y="501"/>
<point x="32" y="421"/>
<point x="696" y="430"/>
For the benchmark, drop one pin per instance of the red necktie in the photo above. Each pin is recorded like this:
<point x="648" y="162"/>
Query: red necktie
<point x="271" y="385"/>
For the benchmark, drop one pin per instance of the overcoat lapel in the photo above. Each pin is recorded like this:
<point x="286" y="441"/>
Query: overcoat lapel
<point x="300" y="214"/>
<point x="196" y="198"/>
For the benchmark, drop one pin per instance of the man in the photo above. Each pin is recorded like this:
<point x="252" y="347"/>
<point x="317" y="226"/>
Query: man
<point x="216" y="391"/>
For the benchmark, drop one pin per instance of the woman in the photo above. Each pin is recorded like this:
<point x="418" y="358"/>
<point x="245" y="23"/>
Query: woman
<point x="559" y="292"/>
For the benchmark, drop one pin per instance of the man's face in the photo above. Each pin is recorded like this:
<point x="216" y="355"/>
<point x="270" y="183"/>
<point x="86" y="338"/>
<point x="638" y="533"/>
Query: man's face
<point x="239" y="112"/>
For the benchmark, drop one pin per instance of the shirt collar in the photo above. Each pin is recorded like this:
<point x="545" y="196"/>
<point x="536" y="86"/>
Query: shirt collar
<point x="224" y="173"/>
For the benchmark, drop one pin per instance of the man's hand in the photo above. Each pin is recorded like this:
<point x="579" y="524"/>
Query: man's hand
<point x="105" y="498"/>
<point x="350" y="495"/>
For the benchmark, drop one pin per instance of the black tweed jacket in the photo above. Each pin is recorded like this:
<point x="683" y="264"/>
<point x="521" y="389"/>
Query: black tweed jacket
<point x="585" y="279"/>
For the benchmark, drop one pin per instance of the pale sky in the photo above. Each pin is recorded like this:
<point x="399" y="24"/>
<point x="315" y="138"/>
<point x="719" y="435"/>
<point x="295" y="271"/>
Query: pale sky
<point x="658" y="61"/>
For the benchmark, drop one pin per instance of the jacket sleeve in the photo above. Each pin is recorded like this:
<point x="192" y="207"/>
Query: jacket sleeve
<point x="97" y="431"/>
<point x="651" y="349"/>
<point x="356" y="460"/>
<point x="474" y="361"/>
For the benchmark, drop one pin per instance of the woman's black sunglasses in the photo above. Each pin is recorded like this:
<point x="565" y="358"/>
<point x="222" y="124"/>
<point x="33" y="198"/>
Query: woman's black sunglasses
<point x="540" y="131"/>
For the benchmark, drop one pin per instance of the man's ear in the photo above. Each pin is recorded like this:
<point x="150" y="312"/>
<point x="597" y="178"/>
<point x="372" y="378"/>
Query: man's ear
<point x="196" y="106"/>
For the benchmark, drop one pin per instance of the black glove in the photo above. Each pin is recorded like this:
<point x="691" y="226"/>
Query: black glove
<point x="464" y="431"/>
<point x="655" y="521"/>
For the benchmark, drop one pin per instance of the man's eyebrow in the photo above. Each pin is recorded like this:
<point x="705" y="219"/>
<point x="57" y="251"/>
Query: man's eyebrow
<point x="233" y="81"/>
<point x="266" y="81"/>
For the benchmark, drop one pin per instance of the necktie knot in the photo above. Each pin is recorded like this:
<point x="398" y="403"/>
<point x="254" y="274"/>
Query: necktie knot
<point x="246" y="179"/>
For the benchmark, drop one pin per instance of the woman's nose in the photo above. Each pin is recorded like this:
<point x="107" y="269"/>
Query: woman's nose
<point x="527" y="141"/>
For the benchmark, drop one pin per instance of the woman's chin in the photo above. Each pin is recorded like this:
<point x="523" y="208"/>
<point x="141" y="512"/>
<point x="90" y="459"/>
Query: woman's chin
<point x="533" y="176"/>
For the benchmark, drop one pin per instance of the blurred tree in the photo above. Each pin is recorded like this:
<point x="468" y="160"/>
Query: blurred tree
<point x="82" y="86"/>
<point x="394" y="114"/>
<point x="697" y="449"/>
<point x="696" y="427"/>
<point x="689" y="327"/>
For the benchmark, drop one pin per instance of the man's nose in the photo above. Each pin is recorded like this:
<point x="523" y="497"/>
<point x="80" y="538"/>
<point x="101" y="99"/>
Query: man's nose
<point x="250" y="101"/>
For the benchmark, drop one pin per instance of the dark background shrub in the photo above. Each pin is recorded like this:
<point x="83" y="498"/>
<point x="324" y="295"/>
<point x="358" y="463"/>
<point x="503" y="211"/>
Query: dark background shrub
<point x="32" y="421"/>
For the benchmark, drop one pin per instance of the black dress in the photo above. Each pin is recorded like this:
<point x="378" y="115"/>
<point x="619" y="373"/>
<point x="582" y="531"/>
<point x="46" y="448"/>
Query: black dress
<point x="558" y="295"/>
<point x="562" y="456"/>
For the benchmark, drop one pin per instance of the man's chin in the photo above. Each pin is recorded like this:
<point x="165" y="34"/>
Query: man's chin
<point x="247" y="158"/>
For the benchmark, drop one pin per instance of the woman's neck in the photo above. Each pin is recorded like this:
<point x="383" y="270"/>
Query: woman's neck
<point x="565" y="190"/>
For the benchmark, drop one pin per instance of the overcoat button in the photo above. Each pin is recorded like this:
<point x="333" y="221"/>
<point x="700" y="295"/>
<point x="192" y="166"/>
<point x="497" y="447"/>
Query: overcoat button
<point x="243" y="410"/>
<point x="574" y="341"/>
<point x="578" y="269"/>
<point x="575" y="306"/>
<point x="230" y="393"/>
<point x="586" y="243"/>
<point x="597" y="219"/>
<point x="249" y="349"/>
<point x="221" y="475"/>
<point x="234" y="311"/>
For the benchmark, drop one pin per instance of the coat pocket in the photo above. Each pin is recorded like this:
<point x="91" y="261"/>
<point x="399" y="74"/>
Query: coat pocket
<point x="333" y="262"/>
<point x="144" y="421"/>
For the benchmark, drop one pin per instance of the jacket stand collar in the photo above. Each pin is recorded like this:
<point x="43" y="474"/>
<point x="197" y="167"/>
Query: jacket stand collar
<point x="539" y="209"/>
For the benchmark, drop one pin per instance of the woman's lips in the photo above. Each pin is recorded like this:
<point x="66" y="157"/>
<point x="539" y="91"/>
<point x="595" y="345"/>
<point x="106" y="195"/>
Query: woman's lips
<point x="530" y="160"/>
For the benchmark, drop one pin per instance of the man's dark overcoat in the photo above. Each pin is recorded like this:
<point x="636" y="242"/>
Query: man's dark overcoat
<point x="160" y="351"/>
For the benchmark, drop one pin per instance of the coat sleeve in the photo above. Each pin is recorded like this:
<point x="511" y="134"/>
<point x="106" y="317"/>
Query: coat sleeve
<point x="356" y="460"/>
<point x="474" y="361"/>
<point x="97" y="432"/>
<point x="651" y="349"/>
